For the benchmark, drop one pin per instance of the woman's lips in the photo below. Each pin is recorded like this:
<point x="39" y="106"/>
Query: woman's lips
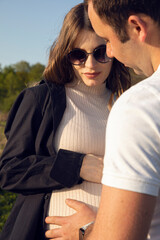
<point x="91" y="75"/>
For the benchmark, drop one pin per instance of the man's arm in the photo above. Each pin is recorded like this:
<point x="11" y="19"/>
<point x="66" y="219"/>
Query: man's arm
<point x="122" y="215"/>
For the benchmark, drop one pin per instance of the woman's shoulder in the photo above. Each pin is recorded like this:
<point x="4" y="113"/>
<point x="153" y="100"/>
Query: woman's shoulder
<point x="46" y="86"/>
<point x="38" y="88"/>
<point x="43" y="89"/>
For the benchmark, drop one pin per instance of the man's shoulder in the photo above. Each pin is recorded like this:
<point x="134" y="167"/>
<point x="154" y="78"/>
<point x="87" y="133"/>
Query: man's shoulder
<point x="143" y="93"/>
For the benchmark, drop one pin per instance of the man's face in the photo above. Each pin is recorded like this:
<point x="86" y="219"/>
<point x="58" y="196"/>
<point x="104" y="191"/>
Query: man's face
<point x="128" y="53"/>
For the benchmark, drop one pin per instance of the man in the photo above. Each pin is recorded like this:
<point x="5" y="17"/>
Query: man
<point x="130" y="200"/>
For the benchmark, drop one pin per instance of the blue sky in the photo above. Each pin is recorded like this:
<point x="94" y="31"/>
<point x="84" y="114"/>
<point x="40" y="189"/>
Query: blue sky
<point x="29" y="27"/>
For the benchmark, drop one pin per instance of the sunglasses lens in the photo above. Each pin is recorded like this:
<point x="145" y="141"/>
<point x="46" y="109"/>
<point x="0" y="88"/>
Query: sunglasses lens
<point x="77" y="56"/>
<point x="100" y="54"/>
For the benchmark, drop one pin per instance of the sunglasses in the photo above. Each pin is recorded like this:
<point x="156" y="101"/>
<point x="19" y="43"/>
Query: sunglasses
<point x="78" y="56"/>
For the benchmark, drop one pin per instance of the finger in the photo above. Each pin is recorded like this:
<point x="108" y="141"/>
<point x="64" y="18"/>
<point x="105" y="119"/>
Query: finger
<point x="81" y="208"/>
<point x="56" y="220"/>
<point x="53" y="233"/>
<point x="76" y="205"/>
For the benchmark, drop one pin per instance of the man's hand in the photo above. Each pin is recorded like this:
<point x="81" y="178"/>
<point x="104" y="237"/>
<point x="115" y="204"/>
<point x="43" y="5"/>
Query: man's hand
<point x="69" y="226"/>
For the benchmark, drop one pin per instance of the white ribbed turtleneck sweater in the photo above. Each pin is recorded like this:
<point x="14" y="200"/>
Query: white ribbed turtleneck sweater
<point x="82" y="129"/>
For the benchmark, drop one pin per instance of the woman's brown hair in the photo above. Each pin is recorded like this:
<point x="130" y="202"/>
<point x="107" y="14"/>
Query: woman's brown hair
<point x="59" y="69"/>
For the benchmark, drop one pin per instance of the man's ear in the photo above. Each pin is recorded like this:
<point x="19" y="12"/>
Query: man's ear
<point x="138" y="26"/>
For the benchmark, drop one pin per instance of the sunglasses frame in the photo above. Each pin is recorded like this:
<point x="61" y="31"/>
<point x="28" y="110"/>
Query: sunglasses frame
<point x="87" y="54"/>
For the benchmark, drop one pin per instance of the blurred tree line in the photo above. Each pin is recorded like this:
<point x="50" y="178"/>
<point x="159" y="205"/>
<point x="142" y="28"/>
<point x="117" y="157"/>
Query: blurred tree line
<point x="13" y="79"/>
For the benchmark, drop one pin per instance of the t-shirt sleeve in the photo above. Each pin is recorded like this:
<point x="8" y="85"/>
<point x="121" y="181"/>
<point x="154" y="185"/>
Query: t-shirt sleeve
<point x="132" y="155"/>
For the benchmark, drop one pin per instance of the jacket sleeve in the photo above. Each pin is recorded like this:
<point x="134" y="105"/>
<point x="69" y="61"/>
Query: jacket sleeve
<point x="22" y="170"/>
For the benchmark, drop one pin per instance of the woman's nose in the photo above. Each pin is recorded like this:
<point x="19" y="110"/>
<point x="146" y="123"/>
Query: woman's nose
<point x="91" y="61"/>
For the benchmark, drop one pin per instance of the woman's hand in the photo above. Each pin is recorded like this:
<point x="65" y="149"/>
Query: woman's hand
<point x="70" y="225"/>
<point x="92" y="167"/>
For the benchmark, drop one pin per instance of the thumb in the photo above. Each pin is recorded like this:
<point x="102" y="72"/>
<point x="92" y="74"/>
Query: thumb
<point x="76" y="205"/>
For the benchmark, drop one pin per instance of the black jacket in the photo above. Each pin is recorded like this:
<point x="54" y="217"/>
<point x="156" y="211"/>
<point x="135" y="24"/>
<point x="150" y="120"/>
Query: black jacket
<point x="30" y="165"/>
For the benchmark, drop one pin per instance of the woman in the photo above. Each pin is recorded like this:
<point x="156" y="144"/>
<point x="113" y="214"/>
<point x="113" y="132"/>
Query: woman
<point x="56" y="130"/>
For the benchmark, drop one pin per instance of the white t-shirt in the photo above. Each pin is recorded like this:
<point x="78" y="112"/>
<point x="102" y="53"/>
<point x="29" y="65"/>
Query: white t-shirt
<point x="132" y="158"/>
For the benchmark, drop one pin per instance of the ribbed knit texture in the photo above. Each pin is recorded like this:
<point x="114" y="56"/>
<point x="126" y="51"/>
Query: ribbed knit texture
<point x="82" y="129"/>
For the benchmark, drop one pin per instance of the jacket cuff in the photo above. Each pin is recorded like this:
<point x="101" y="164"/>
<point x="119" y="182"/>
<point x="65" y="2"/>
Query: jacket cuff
<point x="67" y="167"/>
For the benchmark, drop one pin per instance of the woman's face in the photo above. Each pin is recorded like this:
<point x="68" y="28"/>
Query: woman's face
<point x="91" y="72"/>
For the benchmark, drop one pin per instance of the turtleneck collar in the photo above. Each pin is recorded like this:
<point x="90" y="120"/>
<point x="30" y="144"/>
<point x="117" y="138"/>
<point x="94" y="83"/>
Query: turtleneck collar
<point x="93" y="90"/>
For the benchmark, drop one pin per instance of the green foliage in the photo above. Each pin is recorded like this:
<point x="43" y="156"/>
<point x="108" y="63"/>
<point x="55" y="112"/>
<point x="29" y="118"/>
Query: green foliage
<point x="7" y="102"/>
<point x="14" y="78"/>
<point x="35" y="73"/>
<point x="3" y="90"/>
<point x="7" y="200"/>
<point x="2" y="138"/>
<point x="22" y="67"/>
